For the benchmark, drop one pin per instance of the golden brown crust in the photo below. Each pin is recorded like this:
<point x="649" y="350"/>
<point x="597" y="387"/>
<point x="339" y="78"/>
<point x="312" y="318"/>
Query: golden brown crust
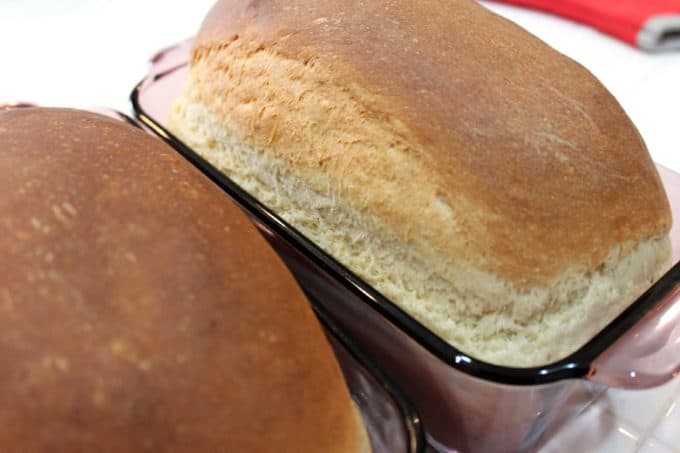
<point x="139" y="308"/>
<point x="542" y="168"/>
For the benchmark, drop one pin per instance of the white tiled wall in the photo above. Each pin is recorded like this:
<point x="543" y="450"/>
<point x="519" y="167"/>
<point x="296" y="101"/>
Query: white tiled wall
<point x="625" y="421"/>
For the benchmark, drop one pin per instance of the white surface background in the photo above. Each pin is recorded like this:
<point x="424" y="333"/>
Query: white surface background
<point x="84" y="53"/>
<point x="87" y="52"/>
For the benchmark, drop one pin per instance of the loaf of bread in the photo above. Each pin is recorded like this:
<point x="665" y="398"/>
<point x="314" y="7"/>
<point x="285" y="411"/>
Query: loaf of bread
<point x="488" y="185"/>
<point x="140" y="310"/>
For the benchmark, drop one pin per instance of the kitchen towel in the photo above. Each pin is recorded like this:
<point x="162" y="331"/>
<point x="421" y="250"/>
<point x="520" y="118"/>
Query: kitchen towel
<point x="651" y="25"/>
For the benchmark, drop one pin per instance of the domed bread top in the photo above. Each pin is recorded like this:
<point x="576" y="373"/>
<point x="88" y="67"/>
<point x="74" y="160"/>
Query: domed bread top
<point x="140" y="310"/>
<point x="494" y="147"/>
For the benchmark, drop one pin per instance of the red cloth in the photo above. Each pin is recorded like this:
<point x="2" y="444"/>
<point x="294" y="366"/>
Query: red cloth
<point x="620" y="18"/>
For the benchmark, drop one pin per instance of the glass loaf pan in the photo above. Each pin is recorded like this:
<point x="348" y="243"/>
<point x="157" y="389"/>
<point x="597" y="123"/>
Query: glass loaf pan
<point x="391" y="421"/>
<point x="466" y="404"/>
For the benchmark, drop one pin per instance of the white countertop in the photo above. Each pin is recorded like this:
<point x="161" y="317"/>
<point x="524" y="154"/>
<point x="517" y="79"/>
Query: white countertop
<point x="84" y="53"/>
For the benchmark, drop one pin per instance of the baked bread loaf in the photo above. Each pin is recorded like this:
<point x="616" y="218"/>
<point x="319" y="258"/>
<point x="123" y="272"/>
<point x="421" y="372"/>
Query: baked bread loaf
<point x="485" y="183"/>
<point x="140" y="310"/>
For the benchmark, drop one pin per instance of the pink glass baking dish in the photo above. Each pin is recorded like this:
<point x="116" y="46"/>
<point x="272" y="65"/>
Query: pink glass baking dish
<point x="391" y="421"/>
<point x="466" y="404"/>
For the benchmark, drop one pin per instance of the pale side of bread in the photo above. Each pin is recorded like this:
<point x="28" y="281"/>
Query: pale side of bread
<point x="140" y="309"/>
<point x="486" y="184"/>
<point x="472" y="309"/>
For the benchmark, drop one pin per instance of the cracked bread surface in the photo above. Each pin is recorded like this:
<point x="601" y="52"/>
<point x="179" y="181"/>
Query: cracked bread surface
<point x="488" y="185"/>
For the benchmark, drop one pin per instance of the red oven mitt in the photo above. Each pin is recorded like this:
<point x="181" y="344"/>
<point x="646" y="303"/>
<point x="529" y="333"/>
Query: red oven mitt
<point x="651" y="25"/>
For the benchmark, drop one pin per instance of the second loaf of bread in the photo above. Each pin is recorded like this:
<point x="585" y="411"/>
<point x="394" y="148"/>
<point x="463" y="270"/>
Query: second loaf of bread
<point x="488" y="185"/>
<point x="140" y="310"/>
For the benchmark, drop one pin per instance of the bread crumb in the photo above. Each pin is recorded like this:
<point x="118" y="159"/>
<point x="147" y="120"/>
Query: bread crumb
<point x="35" y="223"/>
<point x="131" y="257"/>
<point x="62" y="363"/>
<point x="99" y="398"/>
<point x="56" y="210"/>
<point x="68" y="207"/>
<point x="7" y="301"/>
